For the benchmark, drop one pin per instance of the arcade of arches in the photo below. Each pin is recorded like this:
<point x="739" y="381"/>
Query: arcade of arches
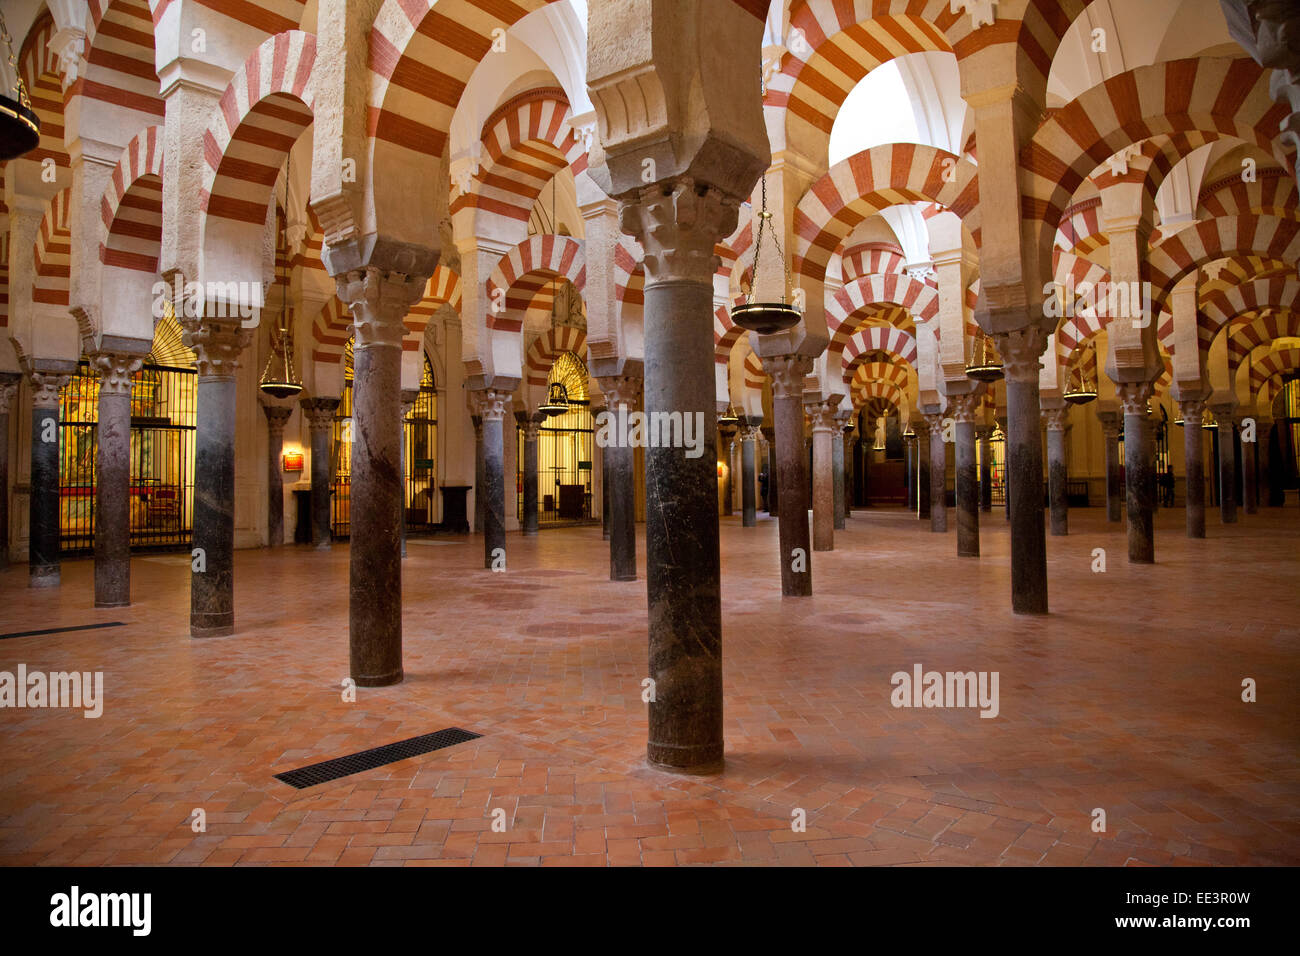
<point x="1031" y="445"/>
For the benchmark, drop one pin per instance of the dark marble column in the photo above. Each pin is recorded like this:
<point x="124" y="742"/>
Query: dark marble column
<point x="1193" y="411"/>
<point x="113" y="478"/>
<point x="923" y="473"/>
<point x="837" y="470"/>
<point x="604" y="493"/>
<point x="43" y="516"/>
<point x="276" y="418"/>
<point x="409" y="397"/>
<point x="480" y="483"/>
<point x="678" y="225"/>
<point x="531" y="429"/>
<point x="379" y="300"/>
<point x="320" y="422"/>
<point x="849" y="451"/>
<point x="984" y="433"/>
<point x="622" y="393"/>
<point x="491" y="406"/>
<point x="911" y="443"/>
<point x="769" y="433"/>
<point x="787" y="373"/>
<point x="1058" y="477"/>
<point x="1110" y="427"/>
<point x="218" y="345"/>
<point x="1021" y="351"/>
<point x="823" y="426"/>
<point x="8" y="391"/>
<point x="727" y="433"/>
<point x="1249" y="471"/>
<point x="938" y="474"/>
<point x="1227" y="464"/>
<point x="1139" y="471"/>
<point x="963" y="408"/>
<point x="749" y="476"/>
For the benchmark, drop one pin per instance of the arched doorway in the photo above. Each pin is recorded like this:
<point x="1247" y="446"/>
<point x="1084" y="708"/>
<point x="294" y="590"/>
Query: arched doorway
<point x="565" y="451"/>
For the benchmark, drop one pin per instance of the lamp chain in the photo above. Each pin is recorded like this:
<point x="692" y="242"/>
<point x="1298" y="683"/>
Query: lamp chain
<point x="13" y="62"/>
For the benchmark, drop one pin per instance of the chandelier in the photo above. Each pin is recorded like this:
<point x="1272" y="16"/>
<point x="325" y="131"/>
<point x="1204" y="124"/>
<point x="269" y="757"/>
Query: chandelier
<point x="557" y="400"/>
<point x="279" y="378"/>
<point x="765" y="318"/>
<point x="20" y="128"/>
<point x="985" y="364"/>
<point x="1079" y="390"/>
<point x="728" y="418"/>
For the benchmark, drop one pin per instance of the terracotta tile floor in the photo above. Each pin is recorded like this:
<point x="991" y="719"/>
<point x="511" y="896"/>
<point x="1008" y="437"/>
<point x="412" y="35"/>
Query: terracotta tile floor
<point x="1126" y="698"/>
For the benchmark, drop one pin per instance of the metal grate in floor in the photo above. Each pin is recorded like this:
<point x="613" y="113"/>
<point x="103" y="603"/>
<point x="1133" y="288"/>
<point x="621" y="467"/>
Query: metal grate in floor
<point x="328" y="770"/>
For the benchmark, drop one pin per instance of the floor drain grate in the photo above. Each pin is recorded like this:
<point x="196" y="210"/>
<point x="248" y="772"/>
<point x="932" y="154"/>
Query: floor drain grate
<point x="328" y="770"/>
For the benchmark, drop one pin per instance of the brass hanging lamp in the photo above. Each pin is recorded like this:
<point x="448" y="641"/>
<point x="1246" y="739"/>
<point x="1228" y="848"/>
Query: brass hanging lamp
<point x="20" y="127"/>
<point x="279" y="378"/>
<point x="765" y="318"/>
<point x="1079" y="390"/>
<point x="985" y="364"/>
<point x="557" y="400"/>
<point x="728" y="418"/>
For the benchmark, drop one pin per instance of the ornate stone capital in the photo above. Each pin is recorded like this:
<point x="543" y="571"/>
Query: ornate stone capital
<point x="1133" y="396"/>
<point x="8" y="389"/>
<point x="409" y="397"/>
<point x="45" y="388"/>
<point x="1193" y="411"/>
<point x="921" y="427"/>
<point x="1021" y="352"/>
<point x="1224" y="414"/>
<point x="678" y="223"/>
<point x="751" y="433"/>
<point x="962" y="408"/>
<point x="822" y="417"/>
<point x="115" y="370"/>
<point x="318" y="411"/>
<point x="787" y="373"/>
<point x="1056" y="418"/>
<point x="217" y="345"/>
<point x="276" y="417"/>
<point x="531" y="429"/>
<point x="379" y="302"/>
<point x="489" y="404"/>
<point x="620" y="390"/>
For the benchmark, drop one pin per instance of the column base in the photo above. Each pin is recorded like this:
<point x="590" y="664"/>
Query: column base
<point x="44" y="577"/>
<point x="212" y="630"/>
<point x="380" y="680"/>
<point x="696" y="761"/>
<point x="622" y="577"/>
<point x="327" y="546"/>
<point x="107" y="604"/>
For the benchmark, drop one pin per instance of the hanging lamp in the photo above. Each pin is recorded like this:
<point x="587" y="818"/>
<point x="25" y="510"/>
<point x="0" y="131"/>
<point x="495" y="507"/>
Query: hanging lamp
<point x="985" y="364"/>
<point x="279" y="378"/>
<point x="728" y="418"/>
<point x="20" y="127"/>
<point x="557" y="400"/>
<point x="765" y="318"/>
<point x="1079" y="390"/>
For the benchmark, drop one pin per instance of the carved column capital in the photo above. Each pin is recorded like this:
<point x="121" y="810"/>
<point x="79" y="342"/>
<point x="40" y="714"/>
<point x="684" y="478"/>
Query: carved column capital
<point x="787" y="373"/>
<point x="1224" y="414"/>
<point x="8" y="389"/>
<point x="276" y="417"/>
<point x="489" y="404"/>
<point x="45" y="388"/>
<point x="751" y="433"/>
<point x="319" y="411"/>
<point x="1193" y="411"/>
<point x="921" y="427"/>
<point x="531" y="429"/>
<point x="678" y="223"/>
<point x="1133" y="396"/>
<point x="379" y="301"/>
<point x="1021" y="352"/>
<point x="620" y="390"/>
<point x="962" y="408"/>
<point x="409" y="397"/>
<point x="115" y="370"/>
<point x="217" y="345"/>
<point x="1056" y="418"/>
<point x="822" y="416"/>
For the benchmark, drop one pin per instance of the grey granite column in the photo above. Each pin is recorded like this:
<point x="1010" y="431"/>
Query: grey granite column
<point x="379" y="300"/>
<point x="218" y="344"/>
<point x="621" y="398"/>
<point x="1021" y="351"/>
<point x="984" y="433"/>
<point x="837" y="470"/>
<point x="43" y="515"/>
<point x="409" y="397"/>
<point x="748" y="477"/>
<point x="276" y="418"/>
<point x="787" y="373"/>
<point x="1227" y="464"/>
<point x="8" y="390"/>
<point x="491" y="406"/>
<point x="849" y="449"/>
<point x="113" y="478"/>
<point x="1139" y="471"/>
<point x="678" y="224"/>
<point x="480" y="481"/>
<point x="320" y="422"/>
<point x="1058" y="478"/>
<point x="727" y="433"/>
<point x="1250" y="486"/>
<point x="823" y="426"/>
<point x="910" y="442"/>
<point x="938" y="474"/>
<point x="1193" y="411"/>
<point x="1110" y="427"/>
<point x="923" y="501"/>
<point x="772" y="504"/>
<point x="604" y="494"/>
<point x="962" y="408"/>
<point x="531" y="430"/>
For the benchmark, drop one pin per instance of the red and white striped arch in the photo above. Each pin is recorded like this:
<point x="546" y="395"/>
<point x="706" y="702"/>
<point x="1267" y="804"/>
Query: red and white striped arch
<point x="864" y="371"/>
<point x="549" y="346"/>
<point x="522" y="271"/>
<point x="1079" y="232"/>
<point x="1273" y="193"/>
<point x="920" y="299"/>
<point x="269" y="16"/>
<point x="725" y="335"/>
<point x="889" y="340"/>
<point x="443" y="288"/>
<point x="526" y="142"/>
<point x="629" y="276"/>
<point x="864" y="392"/>
<point x="131" y="208"/>
<point x="871" y="258"/>
<point x="871" y="181"/>
<point x="1235" y="270"/>
<point x="1221" y="307"/>
<point x="39" y="68"/>
<point x="1273" y="366"/>
<point x="259" y="117"/>
<point x="1250" y="331"/>
<point x="1176" y="255"/>
<point x="52" y="252"/>
<point x="120" y="66"/>
<point x="4" y="280"/>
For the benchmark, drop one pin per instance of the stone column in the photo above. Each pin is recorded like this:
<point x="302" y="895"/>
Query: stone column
<point x="1110" y="426"/>
<point x="379" y="299"/>
<point x="823" y="424"/>
<point x="837" y="471"/>
<point x="1227" y="465"/>
<point x="276" y="418"/>
<point x="409" y="398"/>
<point x="728" y="433"/>
<point x="772" y="505"/>
<point x="218" y="345"/>
<point x="531" y="430"/>
<point x="849" y="451"/>
<point x="910" y="442"/>
<point x="922" y="461"/>
<point x="113" y="478"/>
<point x="621" y="394"/>
<point x="787" y="373"/>
<point x="8" y="390"/>
<point x="1139" y="471"/>
<point x="962" y="408"/>
<point x="1249" y="455"/>
<point x="749" y="476"/>
<point x="604" y="494"/>
<point x="678" y="223"/>
<point x="938" y="474"/>
<point x="320" y="422"/>
<point x="1193" y="411"/>
<point x="984" y="433"/>
<point x="480" y="491"/>
<point x="1057" y="473"/>
<point x="1020" y="351"/>
<point x="43" y="516"/>
<point x="491" y="407"/>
